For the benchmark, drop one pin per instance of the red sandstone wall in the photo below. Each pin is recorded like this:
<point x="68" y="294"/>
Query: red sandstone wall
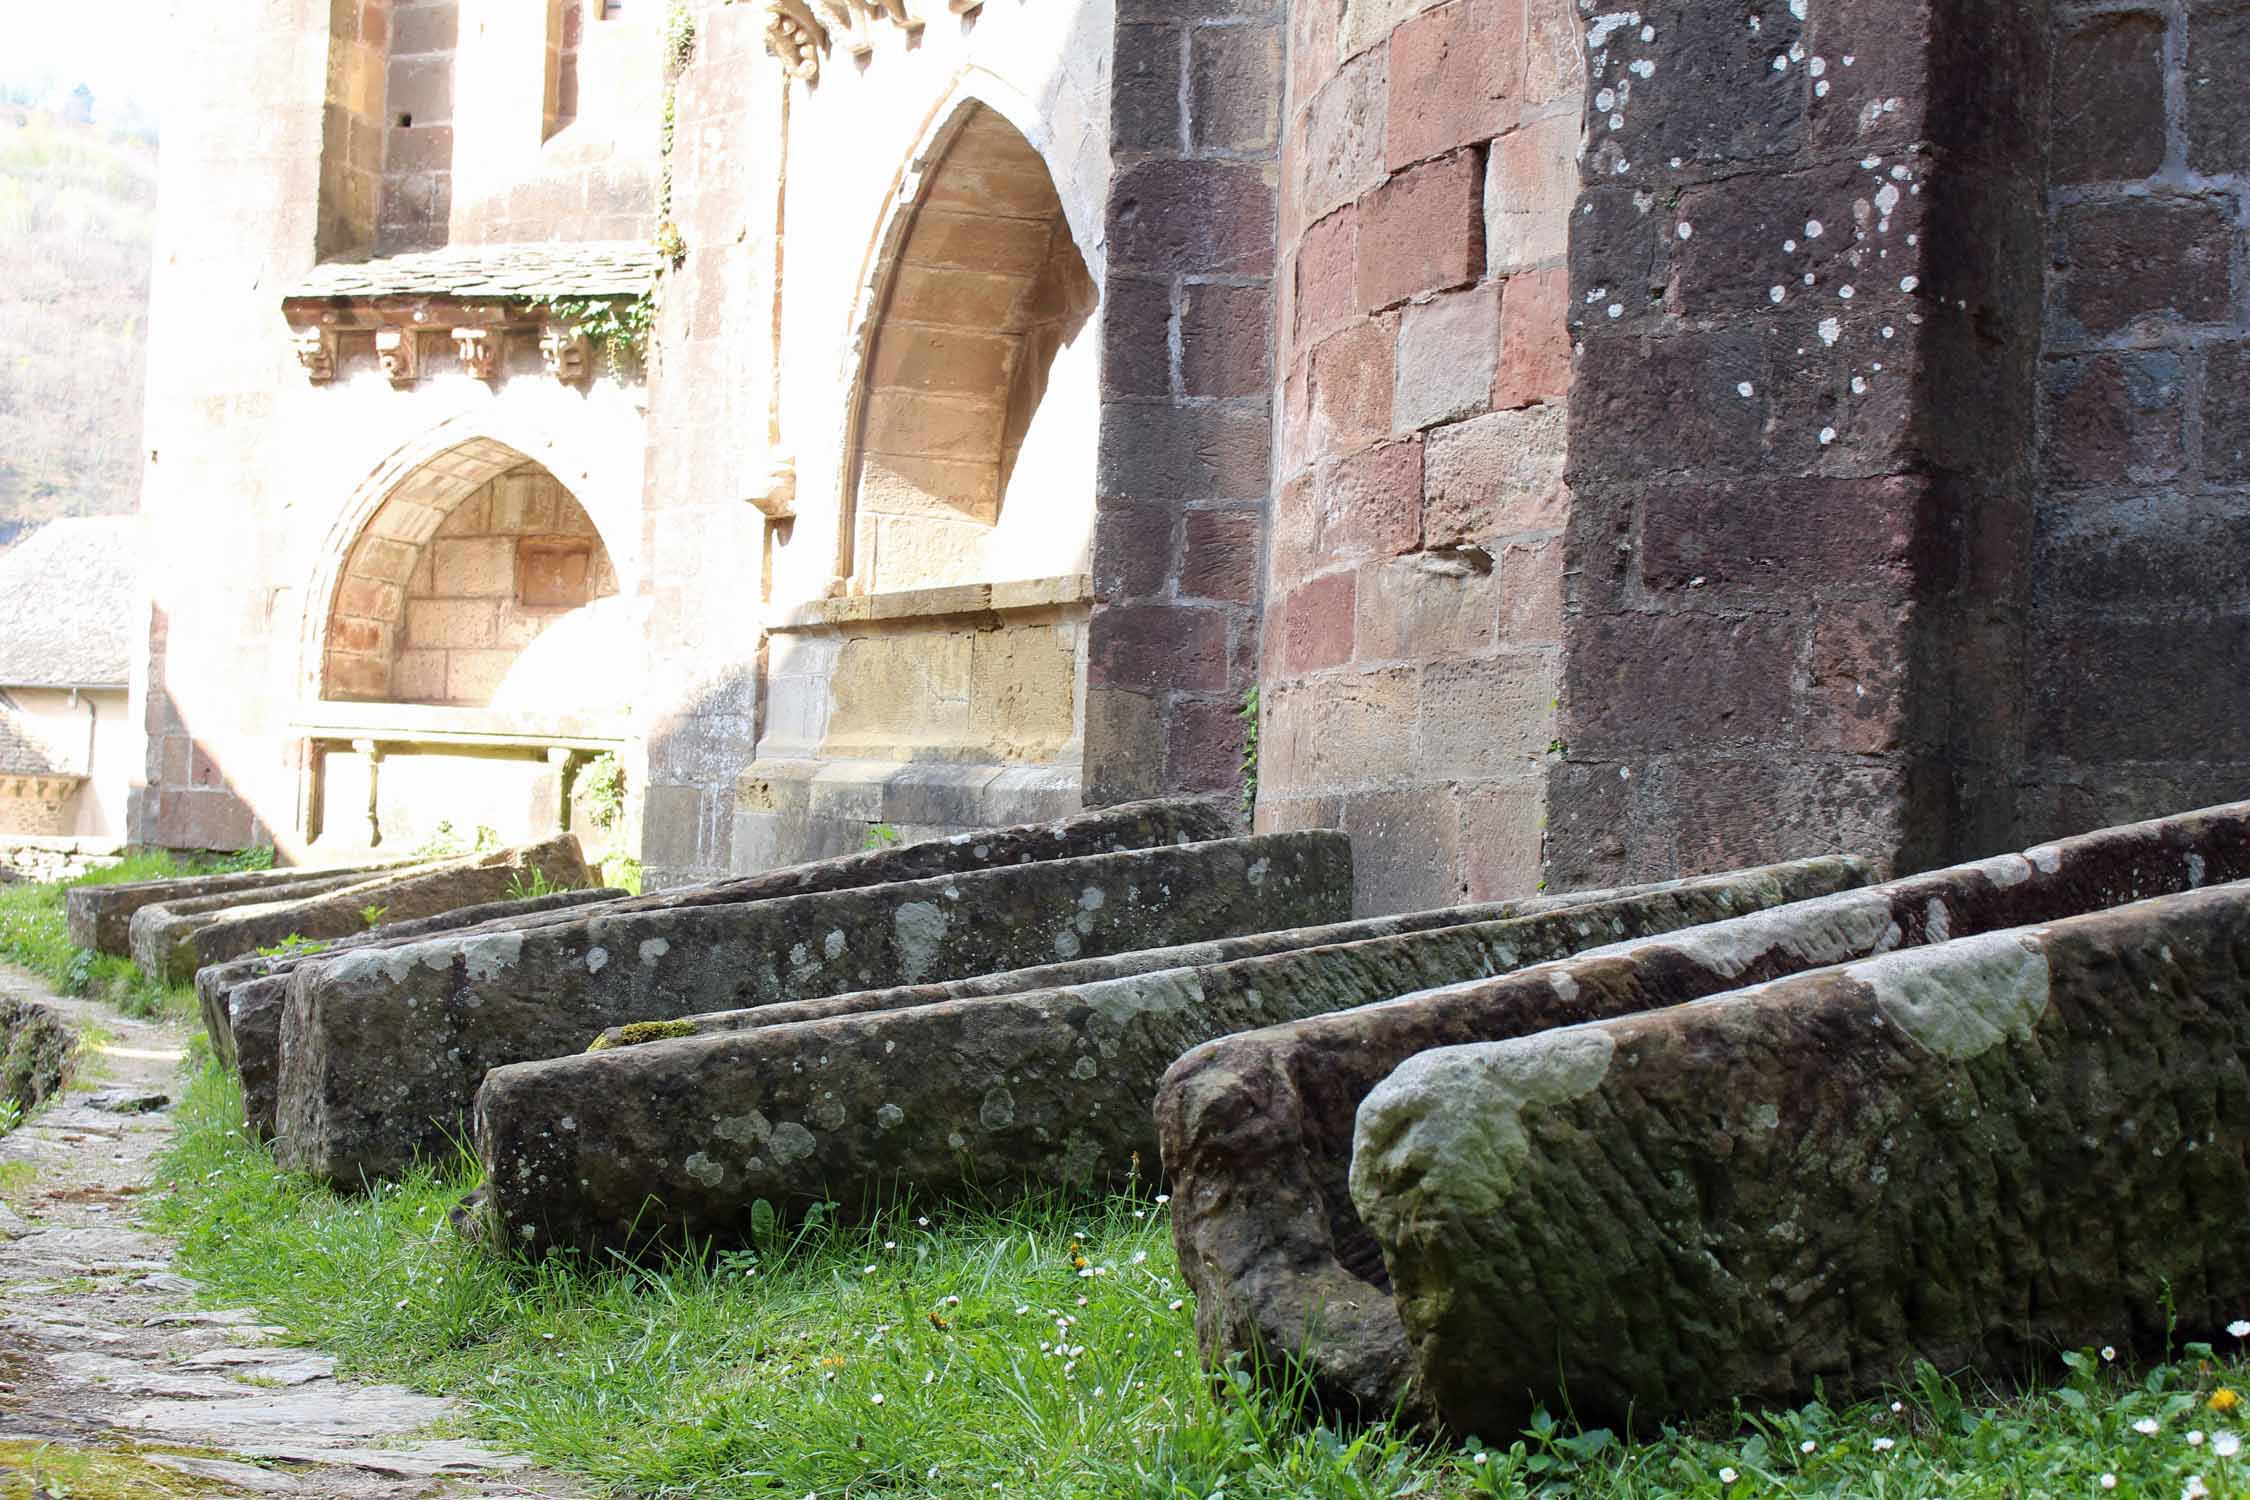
<point x="2140" y="591"/>
<point x="1414" y="570"/>
<point x="1185" y="455"/>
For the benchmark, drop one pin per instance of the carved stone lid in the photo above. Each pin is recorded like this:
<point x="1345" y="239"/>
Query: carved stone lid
<point x="488" y="273"/>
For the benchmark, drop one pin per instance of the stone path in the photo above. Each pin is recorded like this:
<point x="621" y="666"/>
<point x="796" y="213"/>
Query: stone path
<point x="105" y="1351"/>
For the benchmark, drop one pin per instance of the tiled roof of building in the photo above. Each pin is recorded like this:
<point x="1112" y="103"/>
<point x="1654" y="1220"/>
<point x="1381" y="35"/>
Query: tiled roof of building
<point x="25" y="753"/>
<point x="517" y="273"/>
<point x="69" y="596"/>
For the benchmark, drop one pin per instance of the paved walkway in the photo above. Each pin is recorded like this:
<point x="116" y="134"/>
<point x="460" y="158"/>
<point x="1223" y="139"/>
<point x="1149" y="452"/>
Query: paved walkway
<point x="106" y="1352"/>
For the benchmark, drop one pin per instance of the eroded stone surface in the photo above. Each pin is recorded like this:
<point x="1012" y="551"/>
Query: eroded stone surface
<point x="1257" y="1128"/>
<point x="215" y="984"/>
<point x="1973" y="1152"/>
<point x="1110" y="966"/>
<point x="172" y="943"/>
<point x="100" y="916"/>
<point x="382" y="1050"/>
<point x="999" y="1095"/>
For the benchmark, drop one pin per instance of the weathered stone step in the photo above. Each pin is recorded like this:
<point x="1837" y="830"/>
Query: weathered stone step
<point x="992" y="1096"/>
<point x="1109" y="966"/>
<point x="99" y="917"/>
<point x="1257" y="1128"/>
<point x="1973" y="1153"/>
<point x="382" y="1049"/>
<point x="171" y="943"/>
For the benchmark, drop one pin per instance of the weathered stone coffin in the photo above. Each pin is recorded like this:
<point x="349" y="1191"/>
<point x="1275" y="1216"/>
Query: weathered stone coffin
<point x="100" y="916"/>
<point x="990" y="1097"/>
<point x="1257" y="1128"/>
<point x="1974" y="1153"/>
<point x="216" y="984"/>
<point x="170" y="944"/>
<point x="382" y="1051"/>
<point x="1109" y="966"/>
<point x="1132" y="825"/>
<point x="247" y="1011"/>
<point x="1128" y="825"/>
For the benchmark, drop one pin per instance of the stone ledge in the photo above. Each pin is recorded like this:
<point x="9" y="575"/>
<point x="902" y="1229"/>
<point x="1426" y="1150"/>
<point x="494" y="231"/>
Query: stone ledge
<point x="1016" y="596"/>
<point x="790" y="809"/>
<point x="434" y="724"/>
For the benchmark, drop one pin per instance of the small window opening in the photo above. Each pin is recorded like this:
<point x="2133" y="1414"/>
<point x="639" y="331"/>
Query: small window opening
<point x="405" y="122"/>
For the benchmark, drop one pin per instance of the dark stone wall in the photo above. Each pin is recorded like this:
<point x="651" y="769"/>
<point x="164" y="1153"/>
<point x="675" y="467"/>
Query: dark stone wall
<point x="1185" y="445"/>
<point x="2139" y="629"/>
<point x="1804" y="290"/>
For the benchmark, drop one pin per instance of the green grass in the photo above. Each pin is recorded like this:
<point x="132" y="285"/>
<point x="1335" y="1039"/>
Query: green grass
<point x="759" y="1374"/>
<point x="35" y="935"/>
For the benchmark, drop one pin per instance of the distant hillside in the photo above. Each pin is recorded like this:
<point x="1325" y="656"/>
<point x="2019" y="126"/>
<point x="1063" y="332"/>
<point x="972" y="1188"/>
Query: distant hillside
<point x="77" y="223"/>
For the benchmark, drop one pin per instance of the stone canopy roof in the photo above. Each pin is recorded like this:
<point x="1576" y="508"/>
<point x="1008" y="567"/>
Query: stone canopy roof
<point x="491" y="273"/>
<point x="25" y="753"/>
<point x="67" y="604"/>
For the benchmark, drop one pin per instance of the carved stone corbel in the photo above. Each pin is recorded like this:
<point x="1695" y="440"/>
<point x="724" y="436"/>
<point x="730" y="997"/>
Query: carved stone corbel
<point x="797" y="34"/>
<point x="775" y="494"/>
<point x="316" y="351"/>
<point x="565" y="350"/>
<point x="394" y="351"/>
<point x="795" y="37"/>
<point x="479" y="349"/>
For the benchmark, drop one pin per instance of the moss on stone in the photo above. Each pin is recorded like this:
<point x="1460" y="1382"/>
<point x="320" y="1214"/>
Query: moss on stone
<point x="637" y="1032"/>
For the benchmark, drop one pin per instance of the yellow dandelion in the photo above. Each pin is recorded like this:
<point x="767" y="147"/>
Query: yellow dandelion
<point x="2225" y="1398"/>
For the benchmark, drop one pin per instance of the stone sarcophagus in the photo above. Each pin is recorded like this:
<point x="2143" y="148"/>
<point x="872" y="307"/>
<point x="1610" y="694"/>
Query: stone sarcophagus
<point x="1258" y="1128"/>
<point x="1973" y="1152"/>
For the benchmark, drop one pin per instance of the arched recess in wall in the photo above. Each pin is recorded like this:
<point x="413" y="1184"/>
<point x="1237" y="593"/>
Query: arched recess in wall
<point x="479" y="582"/>
<point x="966" y="405"/>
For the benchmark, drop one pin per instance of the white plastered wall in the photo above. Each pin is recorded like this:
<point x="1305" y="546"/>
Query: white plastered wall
<point x="859" y="140"/>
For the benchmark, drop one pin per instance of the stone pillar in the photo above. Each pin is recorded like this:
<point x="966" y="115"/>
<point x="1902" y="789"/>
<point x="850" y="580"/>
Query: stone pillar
<point x="1414" y="576"/>
<point x="1805" y="291"/>
<point x="1184" y="460"/>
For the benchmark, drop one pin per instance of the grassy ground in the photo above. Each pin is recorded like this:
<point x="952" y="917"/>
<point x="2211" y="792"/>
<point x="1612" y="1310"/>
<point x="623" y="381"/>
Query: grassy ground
<point x="971" y="1354"/>
<point x="1046" y="1351"/>
<point x="34" y="936"/>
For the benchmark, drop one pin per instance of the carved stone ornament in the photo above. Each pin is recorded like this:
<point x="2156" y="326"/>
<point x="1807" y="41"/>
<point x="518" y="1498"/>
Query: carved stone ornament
<point x="479" y="349"/>
<point x="565" y="350"/>
<point x="316" y="351"/>
<point x="775" y="493"/>
<point x="798" y="31"/>
<point x="394" y="350"/>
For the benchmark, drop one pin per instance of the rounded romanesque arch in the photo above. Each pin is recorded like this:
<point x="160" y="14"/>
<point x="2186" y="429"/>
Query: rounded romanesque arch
<point x="479" y="582"/>
<point x="966" y="394"/>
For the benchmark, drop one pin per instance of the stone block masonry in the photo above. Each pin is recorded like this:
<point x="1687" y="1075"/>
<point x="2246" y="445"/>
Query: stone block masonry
<point x="2144" y="393"/>
<point x="382" y="1051"/>
<point x="1414" y="565"/>
<point x="1804" y="268"/>
<point x="1257" y="1128"/>
<point x="985" y="1099"/>
<point x="1867" y="1166"/>
<point x="1185" y="458"/>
